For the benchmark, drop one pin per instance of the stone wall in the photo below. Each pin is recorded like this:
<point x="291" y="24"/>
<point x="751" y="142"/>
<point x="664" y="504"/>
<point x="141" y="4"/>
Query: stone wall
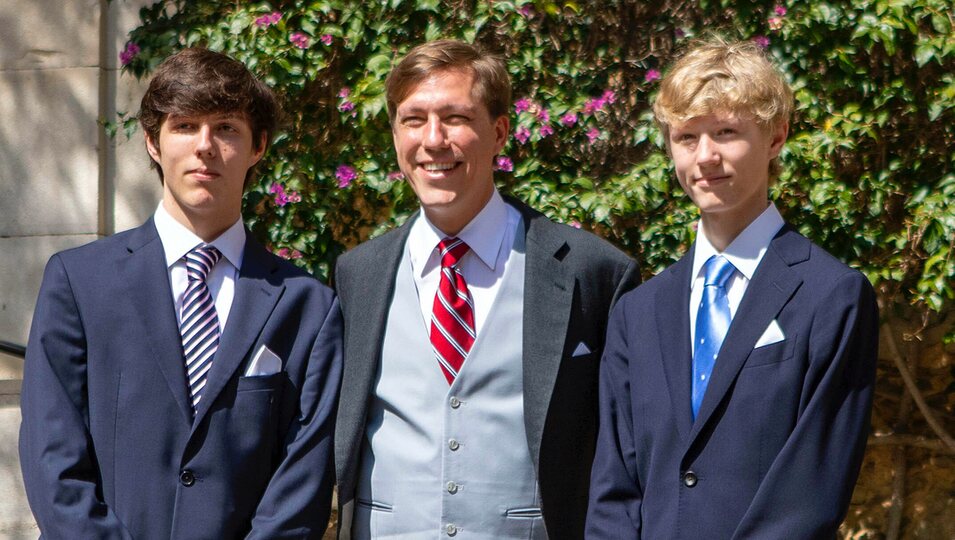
<point x="63" y="183"/>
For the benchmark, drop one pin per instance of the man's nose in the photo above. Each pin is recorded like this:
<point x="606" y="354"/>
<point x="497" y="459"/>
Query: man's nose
<point x="204" y="143"/>
<point x="435" y="135"/>
<point x="707" y="151"/>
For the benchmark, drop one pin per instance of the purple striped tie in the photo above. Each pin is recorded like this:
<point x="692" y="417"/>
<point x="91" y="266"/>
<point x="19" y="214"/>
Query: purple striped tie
<point x="452" y="315"/>
<point x="199" y="324"/>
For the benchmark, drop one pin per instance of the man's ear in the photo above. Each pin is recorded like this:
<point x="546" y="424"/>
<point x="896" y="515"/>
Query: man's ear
<point x="779" y="139"/>
<point x="259" y="150"/>
<point x="502" y="128"/>
<point x="152" y="148"/>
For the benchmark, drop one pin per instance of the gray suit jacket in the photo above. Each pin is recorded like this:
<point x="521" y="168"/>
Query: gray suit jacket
<point x="572" y="278"/>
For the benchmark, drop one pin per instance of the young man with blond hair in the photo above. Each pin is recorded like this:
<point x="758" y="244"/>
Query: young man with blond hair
<point x="736" y="386"/>
<point x="472" y="332"/>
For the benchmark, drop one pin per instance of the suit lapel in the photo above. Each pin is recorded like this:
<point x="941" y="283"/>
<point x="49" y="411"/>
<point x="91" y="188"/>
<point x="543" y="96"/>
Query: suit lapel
<point x="373" y="285"/>
<point x="255" y="298"/>
<point x="773" y="284"/>
<point x="146" y="281"/>
<point x="548" y="299"/>
<point x="673" y="329"/>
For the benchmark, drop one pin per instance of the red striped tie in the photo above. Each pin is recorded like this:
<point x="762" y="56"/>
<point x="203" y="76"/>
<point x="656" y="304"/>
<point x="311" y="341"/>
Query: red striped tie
<point x="452" y="316"/>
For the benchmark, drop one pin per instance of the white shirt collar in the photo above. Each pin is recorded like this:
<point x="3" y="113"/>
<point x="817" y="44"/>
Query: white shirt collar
<point x="484" y="235"/>
<point x="177" y="240"/>
<point x="746" y="250"/>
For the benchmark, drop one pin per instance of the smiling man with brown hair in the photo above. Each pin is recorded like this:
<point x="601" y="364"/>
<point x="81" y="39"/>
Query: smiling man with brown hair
<point x="472" y="332"/>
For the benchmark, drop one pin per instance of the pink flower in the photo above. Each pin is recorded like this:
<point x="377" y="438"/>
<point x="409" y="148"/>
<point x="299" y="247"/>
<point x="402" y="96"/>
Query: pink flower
<point x="609" y="96"/>
<point x="593" y="134"/>
<point x="522" y="105"/>
<point x="762" y="41"/>
<point x="344" y="92"/>
<point x="346" y="106"/>
<point x="526" y="11"/>
<point x="268" y="20"/>
<point x="286" y="253"/>
<point x="780" y="10"/>
<point x="593" y="105"/>
<point x="652" y="75"/>
<point x="300" y="40"/>
<point x="543" y="115"/>
<point x="522" y="134"/>
<point x="575" y="224"/>
<point x="775" y="23"/>
<point x="395" y="176"/>
<point x="503" y="163"/>
<point x="128" y="53"/>
<point x="326" y="39"/>
<point x="568" y="119"/>
<point x="679" y="33"/>
<point x="282" y="197"/>
<point x="545" y="130"/>
<point x="345" y="175"/>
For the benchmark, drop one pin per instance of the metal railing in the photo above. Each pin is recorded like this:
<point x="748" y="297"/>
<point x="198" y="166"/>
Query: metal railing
<point x="13" y="349"/>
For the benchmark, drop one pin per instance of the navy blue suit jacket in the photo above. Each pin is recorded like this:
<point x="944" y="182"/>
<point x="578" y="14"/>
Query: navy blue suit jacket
<point x="776" y="447"/>
<point x="108" y="445"/>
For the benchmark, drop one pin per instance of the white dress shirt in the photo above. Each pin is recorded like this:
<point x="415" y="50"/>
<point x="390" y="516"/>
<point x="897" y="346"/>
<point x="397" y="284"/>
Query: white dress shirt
<point x="177" y="240"/>
<point x="744" y="252"/>
<point x="490" y="236"/>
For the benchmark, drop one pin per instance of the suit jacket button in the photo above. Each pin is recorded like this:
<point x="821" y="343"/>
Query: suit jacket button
<point x="451" y="529"/>
<point x="186" y="478"/>
<point x="689" y="479"/>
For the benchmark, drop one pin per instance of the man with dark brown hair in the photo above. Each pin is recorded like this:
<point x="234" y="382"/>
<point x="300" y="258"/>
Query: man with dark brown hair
<point x="472" y="333"/>
<point x="180" y="380"/>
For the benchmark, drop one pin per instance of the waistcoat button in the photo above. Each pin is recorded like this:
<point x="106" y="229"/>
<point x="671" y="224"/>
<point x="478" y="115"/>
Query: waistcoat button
<point x="454" y="445"/>
<point x="452" y="488"/>
<point x="451" y="529"/>
<point x="455" y="402"/>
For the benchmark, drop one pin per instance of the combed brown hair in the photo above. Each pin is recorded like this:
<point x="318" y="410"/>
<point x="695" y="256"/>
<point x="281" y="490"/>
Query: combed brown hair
<point x="198" y="81"/>
<point x="492" y="85"/>
<point x="717" y="76"/>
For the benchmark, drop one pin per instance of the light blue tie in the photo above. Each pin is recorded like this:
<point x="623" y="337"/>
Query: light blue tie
<point x="712" y="322"/>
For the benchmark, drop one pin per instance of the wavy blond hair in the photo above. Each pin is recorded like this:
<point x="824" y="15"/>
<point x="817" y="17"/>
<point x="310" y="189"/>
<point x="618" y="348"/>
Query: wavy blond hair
<point x="718" y="76"/>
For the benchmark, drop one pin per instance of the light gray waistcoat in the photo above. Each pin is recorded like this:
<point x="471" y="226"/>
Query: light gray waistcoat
<point x="449" y="462"/>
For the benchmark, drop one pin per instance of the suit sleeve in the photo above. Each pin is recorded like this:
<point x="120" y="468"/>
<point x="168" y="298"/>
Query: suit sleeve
<point x="297" y="502"/>
<point x="60" y="471"/>
<point x="807" y="489"/>
<point x="615" y="495"/>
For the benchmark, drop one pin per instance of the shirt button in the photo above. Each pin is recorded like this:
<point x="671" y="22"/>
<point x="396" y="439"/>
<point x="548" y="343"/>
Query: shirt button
<point x="187" y="478"/>
<point x="452" y="488"/>
<point x="450" y="529"/>
<point x="689" y="479"/>
<point x="454" y="445"/>
<point x="455" y="402"/>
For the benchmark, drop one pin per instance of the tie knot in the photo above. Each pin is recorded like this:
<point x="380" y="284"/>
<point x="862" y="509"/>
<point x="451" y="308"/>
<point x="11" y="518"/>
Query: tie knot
<point x="200" y="260"/>
<point x="718" y="271"/>
<point x="451" y="251"/>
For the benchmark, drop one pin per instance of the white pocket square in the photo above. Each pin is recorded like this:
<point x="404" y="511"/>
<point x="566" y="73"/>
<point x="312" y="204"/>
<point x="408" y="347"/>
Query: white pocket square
<point x="772" y="334"/>
<point x="265" y="362"/>
<point x="581" y="349"/>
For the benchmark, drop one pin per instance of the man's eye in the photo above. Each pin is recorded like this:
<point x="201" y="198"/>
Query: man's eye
<point x="726" y="132"/>
<point x="457" y="119"/>
<point x="412" y="121"/>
